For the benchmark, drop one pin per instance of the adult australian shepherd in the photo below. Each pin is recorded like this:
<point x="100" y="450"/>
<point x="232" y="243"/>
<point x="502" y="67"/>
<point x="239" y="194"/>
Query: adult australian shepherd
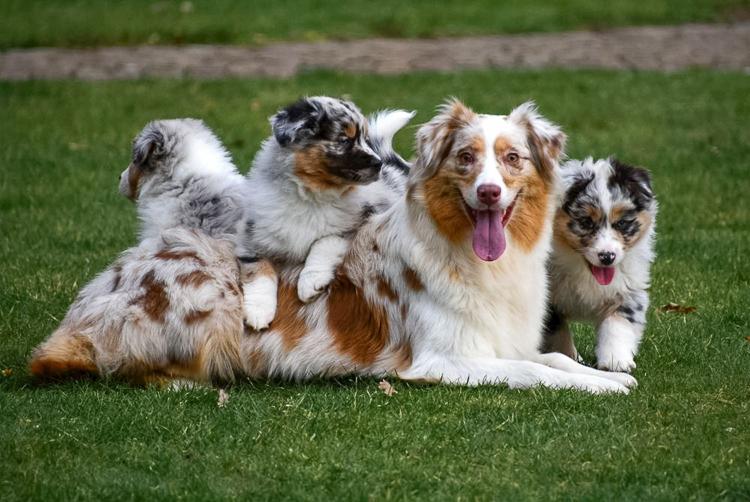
<point x="449" y="284"/>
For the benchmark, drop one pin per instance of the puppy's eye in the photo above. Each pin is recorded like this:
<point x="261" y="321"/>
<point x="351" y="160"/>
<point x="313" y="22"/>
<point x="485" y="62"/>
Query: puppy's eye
<point x="622" y="225"/>
<point x="586" y="223"/>
<point x="346" y="140"/>
<point x="512" y="158"/>
<point x="466" y="158"/>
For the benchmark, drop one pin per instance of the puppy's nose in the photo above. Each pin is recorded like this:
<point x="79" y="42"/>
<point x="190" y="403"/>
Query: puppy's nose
<point x="375" y="162"/>
<point x="488" y="194"/>
<point x="606" y="258"/>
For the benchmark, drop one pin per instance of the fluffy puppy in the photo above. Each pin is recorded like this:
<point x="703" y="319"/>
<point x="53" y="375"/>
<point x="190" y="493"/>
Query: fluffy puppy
<point x="601" y="260"/>
<point x="312" y="184"/>
<point x="171" y="306"/>
<point x="181" y="175"/>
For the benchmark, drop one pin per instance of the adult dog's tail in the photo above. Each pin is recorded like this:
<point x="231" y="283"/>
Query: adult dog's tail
<point x="383" y="126"/>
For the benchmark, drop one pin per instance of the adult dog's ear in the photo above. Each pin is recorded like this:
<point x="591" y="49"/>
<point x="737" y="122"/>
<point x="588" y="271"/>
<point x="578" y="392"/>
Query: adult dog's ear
<point x="435" y="138"/>
<point x="546" y="140"/>
<point x="297" y="122"/>
<point x="149" y="146"/>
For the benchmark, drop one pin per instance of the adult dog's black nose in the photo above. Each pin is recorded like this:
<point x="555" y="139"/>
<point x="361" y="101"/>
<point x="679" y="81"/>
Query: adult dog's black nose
<point x="606" y="258"/>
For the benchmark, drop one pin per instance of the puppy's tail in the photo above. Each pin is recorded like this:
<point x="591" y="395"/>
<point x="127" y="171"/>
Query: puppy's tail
<point x="65" y="355"/>
<point x="383" y="127"/>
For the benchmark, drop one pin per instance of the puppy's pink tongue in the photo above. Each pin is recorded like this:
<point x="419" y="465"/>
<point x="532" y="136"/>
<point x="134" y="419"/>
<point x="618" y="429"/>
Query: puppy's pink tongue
<point x="603" y="275"/>
<point x="488" y="240"/>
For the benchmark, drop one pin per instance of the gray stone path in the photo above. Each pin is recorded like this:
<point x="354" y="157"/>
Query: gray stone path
<point x="717" y="46"/>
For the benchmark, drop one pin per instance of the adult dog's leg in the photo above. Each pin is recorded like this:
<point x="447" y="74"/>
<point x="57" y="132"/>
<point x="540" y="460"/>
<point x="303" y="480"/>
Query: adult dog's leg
<point x="325" y="255"/>
<point x="513" y="373"/>
<point x="259" y="286"/>
<point x="564" y="363"/>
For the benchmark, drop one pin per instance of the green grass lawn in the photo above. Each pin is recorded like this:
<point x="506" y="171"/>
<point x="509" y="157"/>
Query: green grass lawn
<point x="683" y="434"/>
<point x="29" y="23"/>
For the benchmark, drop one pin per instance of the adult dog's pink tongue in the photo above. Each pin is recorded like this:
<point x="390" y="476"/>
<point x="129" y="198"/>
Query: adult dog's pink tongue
<point x="488" y="240"/>
<point x="603" y="275"/>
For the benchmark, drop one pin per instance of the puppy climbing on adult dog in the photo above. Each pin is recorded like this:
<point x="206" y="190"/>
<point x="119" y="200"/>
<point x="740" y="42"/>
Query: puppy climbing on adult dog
<point x="313" y="182"/>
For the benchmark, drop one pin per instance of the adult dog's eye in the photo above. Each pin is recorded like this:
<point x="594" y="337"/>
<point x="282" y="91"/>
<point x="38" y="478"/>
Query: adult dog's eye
<point x="512" y="158"/>
<point x="345" y="140"/>
<point x="466" y="158"/>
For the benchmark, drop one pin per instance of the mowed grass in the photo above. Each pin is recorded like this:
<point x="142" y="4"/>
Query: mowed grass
<point x="682" y="434"/>
<point x="30" y="23"/>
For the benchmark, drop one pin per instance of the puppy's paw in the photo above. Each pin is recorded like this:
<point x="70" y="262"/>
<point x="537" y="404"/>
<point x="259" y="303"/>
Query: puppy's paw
<point x="312" y="283"/>
<point x="614" y="362"/>
<point x="258" y="314"/>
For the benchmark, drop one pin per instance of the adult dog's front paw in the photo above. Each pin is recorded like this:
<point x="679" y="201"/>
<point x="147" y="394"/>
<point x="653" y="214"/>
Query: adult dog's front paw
<point x="258" y="313"/>
<point x="312" y="283"/>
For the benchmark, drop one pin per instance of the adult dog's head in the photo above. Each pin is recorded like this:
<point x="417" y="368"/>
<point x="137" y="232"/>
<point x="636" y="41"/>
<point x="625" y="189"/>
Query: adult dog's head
<point x="329" y="141"/>
<point x="482" y="176"/>
<point x="167" y="152"/>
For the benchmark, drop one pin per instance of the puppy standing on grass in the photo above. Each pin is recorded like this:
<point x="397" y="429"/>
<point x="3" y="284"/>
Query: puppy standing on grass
<point x="324" y="171"/>
<point x="601" y="259"/>
<point x="171" y="306"/>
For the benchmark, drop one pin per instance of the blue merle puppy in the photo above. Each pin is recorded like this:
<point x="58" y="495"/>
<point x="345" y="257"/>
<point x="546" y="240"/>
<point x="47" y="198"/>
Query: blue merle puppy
<point x="600" y="264"/>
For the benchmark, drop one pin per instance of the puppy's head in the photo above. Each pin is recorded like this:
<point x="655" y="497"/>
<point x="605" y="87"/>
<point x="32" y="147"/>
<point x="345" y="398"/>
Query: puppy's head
<point x="168" y="151"/>
<point x="480" y="175"/>
<point x="608" y="207"/>
<point x="329" y="141"/>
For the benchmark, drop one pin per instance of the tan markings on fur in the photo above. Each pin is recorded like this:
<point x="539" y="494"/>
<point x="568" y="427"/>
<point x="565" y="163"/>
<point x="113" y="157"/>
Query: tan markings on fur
<point x="65" y="355"/>
<point x="359" y="328"/>
<point x="259" y="366"/>
<point x="562" y="233"/>
<point x="235" y="289"/>
<point x="404" y="311"/>
<point x="594" y="213"/>
<point x="195" y="316"/>
<point x="532" y="203"/>
<point x="385" y="290"/>
<point x="402" y="356"/>
<point x="502" y="145"/>
<point x="412" y="280"/>
<point x="166" y="254"/>
<point x="195" y="278"/>
<point x="289" y="321"/>
<point x="644" y="220"/>
<point x="134" y="178"/>
<point x="350" y="130"/>
<point x="154" y="300"/>
<point x="445" y="204"/>
<point x="311" y="167"/>
<point x="617" y="212"/>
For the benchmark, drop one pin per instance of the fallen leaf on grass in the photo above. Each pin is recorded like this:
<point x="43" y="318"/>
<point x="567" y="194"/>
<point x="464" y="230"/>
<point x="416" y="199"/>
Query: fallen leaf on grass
<point x="387" y="388"/>
<point x="7" y="372"/>
<point x="677" y="309"/>
<point x="223" y="398"/>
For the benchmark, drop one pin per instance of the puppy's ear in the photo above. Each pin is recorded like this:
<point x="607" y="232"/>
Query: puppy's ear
<point x="435" y="138"/>
<point x="636" y="180"/>
<point x="297" y="122"/>
<point x="149" y="145"/>
<point x="546" y="140"/>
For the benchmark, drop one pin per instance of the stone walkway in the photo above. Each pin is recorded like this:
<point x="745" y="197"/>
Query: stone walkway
<point x="717" y="46"/>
